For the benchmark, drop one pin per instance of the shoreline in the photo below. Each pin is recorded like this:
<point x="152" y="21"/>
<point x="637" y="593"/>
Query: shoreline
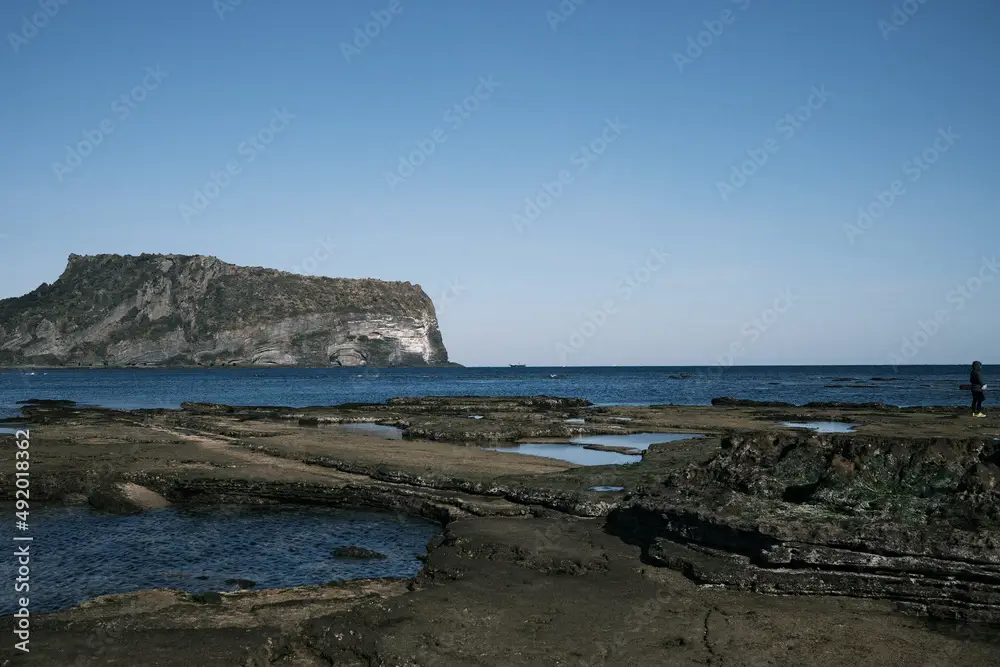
<point x="151" y="367"/>
<point x="706" y="531"/>
<point x="719" y="402"/>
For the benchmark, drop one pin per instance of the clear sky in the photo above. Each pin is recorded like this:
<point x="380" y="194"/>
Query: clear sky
<point x="172" y="92"/>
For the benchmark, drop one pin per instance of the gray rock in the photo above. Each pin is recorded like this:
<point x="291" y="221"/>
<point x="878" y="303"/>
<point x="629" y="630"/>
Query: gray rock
<point x="126" y="498"/>
<point x="915" y="521"/>
<point x="194" y="310"/>
<point x="357" y="553"/>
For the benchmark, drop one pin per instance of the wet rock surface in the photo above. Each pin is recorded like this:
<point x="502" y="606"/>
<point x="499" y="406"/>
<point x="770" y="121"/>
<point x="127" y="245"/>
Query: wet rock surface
<point x="357" y="553"/>
<point x="812" y="544"/>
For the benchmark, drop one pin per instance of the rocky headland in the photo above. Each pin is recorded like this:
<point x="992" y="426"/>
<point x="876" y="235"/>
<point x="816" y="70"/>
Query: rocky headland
<point x="194" y="310"/>
<point x="753" y="544"/>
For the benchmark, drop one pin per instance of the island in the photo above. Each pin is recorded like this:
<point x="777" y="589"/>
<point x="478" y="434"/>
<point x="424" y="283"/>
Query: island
<point x="195" y="310"/>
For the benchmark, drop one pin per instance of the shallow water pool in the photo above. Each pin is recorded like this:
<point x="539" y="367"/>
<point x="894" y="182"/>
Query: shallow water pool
<point x="78" y="553"/>
<point x="633" y="440"/>
<point x="570" y="453"/>
<point x="575" y="453"/>
<point x="822" y="427"/>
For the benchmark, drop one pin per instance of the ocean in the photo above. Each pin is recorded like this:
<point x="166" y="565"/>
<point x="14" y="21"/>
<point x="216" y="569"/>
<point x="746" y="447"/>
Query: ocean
<point x="167" y="388"/>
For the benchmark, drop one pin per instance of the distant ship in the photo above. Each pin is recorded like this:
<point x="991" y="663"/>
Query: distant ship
<point x="517" y="365"/>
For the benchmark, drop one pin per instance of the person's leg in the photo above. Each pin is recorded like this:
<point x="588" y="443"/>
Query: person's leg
<point x="975" y="403"/>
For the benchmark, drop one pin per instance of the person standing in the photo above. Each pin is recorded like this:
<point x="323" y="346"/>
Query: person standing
<point x="978" y="395"/>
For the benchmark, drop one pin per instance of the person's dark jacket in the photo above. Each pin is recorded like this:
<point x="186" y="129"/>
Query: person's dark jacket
<point x="976" y="377"/>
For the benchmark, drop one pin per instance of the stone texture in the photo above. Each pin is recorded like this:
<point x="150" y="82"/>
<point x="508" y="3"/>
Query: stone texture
<point x="126" y="498"/>
<point x="357" y="553"/>
<point x="852" y="526"/>
<point x="916" y="521"/>
<point x="154" y="310"/>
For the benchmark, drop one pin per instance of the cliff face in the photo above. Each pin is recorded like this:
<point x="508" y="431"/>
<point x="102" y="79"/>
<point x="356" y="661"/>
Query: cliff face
<point x="120" y="310"/>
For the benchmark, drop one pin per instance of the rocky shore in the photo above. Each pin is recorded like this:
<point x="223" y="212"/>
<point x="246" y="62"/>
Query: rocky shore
<point x="754" y="544"/>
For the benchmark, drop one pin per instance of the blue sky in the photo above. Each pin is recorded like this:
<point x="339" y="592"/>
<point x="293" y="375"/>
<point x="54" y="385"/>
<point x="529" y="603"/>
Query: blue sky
<point x="549" y="292"/>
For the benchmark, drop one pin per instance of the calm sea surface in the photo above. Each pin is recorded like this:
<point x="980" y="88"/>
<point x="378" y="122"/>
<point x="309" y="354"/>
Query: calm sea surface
<point x="146" y="388"/>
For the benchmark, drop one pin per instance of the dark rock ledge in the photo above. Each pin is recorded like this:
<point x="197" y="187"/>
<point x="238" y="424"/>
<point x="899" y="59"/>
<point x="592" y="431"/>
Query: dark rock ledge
<point x="831" y="527"/>
<point x="912" y="521"/>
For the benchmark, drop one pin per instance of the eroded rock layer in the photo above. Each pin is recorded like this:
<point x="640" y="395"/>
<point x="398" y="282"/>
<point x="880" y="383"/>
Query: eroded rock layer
<point x="154" y="310"/>
<point x="910" y="520"/>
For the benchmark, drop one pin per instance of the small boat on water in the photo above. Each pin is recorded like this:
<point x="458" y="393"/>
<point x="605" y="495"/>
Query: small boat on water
<point x="517" y="365"/>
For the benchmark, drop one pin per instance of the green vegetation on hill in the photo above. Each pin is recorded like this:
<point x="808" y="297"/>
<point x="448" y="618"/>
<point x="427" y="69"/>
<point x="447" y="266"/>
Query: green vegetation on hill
<point x="130" y="302"/>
